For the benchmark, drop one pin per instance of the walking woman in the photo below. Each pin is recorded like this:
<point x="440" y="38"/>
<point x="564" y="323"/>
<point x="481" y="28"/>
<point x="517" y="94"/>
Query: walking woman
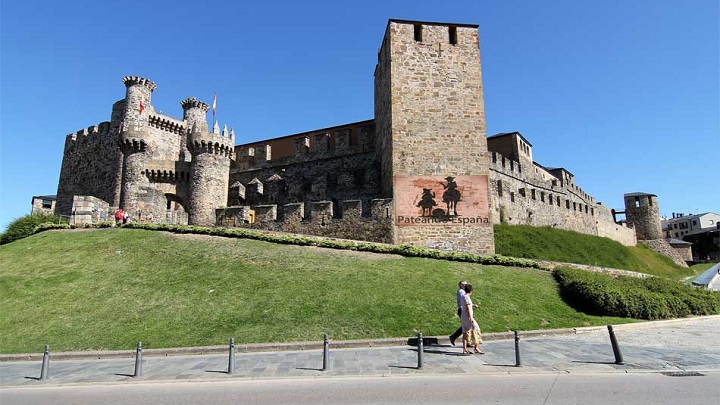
<point x="471" y="329"/>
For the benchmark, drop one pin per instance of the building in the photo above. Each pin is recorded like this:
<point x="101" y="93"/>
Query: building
<point x="43" y="204"/>
<point x="701" y="230"/>
<point x="421" y="172"/>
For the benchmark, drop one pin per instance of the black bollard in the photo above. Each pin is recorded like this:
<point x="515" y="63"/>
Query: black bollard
<point x="231" y="360"/>
<point x="138" y="360"/>
<point x="45" y="370"/>
<point x="421" y="349"/>
<point x="326" y="352"/>
<point x="518" y="363"/>
<point x="615" y="347"/>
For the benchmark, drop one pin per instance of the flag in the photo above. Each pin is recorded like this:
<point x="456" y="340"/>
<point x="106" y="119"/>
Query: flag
<point x="214" y="106"/>
<point x="142" y="105"/>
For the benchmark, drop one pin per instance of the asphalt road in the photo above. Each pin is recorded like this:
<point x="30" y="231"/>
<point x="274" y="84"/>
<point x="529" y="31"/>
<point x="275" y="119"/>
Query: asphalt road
<point x="550" y="389"/>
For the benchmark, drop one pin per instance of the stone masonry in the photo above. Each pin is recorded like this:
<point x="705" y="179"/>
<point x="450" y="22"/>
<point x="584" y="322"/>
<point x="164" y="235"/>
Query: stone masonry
<point x="422" y="172"/>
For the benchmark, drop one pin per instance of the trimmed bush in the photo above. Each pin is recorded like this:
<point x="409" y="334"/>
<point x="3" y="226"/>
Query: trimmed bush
<point x="629" y="297"/>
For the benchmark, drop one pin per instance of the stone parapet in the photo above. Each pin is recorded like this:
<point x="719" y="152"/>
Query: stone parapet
<point x="323" y="218"/>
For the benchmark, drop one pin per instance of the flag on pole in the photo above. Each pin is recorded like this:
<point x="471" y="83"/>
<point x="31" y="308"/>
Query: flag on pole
<point x="214" y="106"/>
<point x="142" y="105"/>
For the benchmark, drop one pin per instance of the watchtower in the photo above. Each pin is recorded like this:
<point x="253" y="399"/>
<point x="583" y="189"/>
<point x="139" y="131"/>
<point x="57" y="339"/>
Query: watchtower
<point x="643" y="212"/>
<point x="430" y="135"/>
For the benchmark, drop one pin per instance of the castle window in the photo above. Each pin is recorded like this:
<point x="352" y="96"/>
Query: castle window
<point x="567" y="204"/>
<point x="592" y="211"/>
<point x="558" y="201"/>
<point x="542" y="196"/>
<point x="532" y="193"/>
<point x="522" y="192"/>
<point x="574" y="206"/>
<point x="650" y="201"/>
<point x="499" y="187"/>
<point x="452" y="31"/>
<point x="637" y="202"/>
<point x="512" y="197"/>
<point x="46" y="203"/>
<point x="418" y="32"/>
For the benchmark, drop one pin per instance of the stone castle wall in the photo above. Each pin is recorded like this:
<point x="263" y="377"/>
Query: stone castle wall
<point x="535" y="197"/>
<point x="369" y="221"/>
<point x="352" y="181"/>
<point x="90" y="166"/>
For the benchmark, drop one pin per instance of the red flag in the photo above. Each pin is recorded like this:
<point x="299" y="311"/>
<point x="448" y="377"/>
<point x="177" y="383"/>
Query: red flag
<point x="142" y="105"/>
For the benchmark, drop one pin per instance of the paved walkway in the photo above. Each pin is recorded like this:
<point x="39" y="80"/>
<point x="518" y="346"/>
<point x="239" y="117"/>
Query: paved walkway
<point x="681" y="346"/>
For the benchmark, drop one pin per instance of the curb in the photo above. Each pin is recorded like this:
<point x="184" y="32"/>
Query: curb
<point x="340" y="344"/>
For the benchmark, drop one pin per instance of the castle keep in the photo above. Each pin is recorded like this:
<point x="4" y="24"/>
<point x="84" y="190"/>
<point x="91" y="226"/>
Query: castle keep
<point x="422" y="172"/>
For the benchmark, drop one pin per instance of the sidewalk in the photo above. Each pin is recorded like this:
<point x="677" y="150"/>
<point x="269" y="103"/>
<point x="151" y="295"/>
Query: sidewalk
<point x="685" y="345"/>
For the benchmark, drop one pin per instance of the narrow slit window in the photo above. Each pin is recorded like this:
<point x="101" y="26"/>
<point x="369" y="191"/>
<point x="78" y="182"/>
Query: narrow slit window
<point x="418" y="32"/>
<point x="452" y="31"/>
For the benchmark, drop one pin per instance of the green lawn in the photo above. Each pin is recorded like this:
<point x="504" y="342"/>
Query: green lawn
<point x="109" y="288"/>
<point x="544" y="243"/>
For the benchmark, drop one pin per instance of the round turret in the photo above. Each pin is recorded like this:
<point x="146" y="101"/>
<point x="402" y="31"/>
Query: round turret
<point x="643" y="212"/>
<point x="135" y="145"/>
<point x="194" y="113"/>
<point x="209" y="175"/>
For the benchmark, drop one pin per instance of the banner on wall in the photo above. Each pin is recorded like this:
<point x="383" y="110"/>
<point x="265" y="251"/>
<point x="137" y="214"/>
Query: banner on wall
<point x="437" y="200"/>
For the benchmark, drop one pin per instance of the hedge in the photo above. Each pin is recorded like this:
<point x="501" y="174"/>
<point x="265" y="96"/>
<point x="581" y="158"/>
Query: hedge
<point x="630" y="297"/>
<point x="301" y="240"/>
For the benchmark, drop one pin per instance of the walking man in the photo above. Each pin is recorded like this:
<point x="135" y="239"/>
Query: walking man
<point x="460" y="300"/>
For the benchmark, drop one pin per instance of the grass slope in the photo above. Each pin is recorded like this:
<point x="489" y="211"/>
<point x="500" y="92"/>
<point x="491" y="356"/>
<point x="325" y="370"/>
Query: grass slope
<point x="109" y="288"/>
<point x="545" y="243"/>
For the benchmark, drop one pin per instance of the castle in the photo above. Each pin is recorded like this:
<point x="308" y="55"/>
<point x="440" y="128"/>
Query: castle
<point x="422" y="172"/>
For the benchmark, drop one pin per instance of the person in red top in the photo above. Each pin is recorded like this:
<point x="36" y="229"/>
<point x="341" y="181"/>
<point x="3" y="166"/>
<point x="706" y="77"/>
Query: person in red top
<point x="119" y="216"/>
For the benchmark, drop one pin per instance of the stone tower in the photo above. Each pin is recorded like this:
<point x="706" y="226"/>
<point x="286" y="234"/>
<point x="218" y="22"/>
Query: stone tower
<point x="430" y="135"/>
<point x="210" y="165"/>
<point x="136" y="147"/>
<point x="643" y="212"/>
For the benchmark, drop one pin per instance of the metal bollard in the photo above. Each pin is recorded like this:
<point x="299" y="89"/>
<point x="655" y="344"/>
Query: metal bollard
<point x="615" y="347"/>
<point x="45" y="370"/>
<point x="326" y="352"/>
<point x="138" y="360"/>
<point x="231" y="360"/>
<point x="421" y="349"/>
<point x="518" y="362"/>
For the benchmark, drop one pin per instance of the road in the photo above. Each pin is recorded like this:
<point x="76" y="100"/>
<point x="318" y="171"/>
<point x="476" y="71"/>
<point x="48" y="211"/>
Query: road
<point x="546" y="388"/>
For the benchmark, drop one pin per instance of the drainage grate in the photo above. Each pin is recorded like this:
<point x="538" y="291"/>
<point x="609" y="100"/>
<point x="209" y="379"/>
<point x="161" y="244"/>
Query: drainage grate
<point x="683" y="374"/>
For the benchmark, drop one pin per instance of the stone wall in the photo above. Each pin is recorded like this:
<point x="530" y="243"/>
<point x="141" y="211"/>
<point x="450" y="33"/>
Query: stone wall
<point x="90" y="210"/>
<point x="663" y="247"/>
<point x="321" y="218"/>
<point x="90" y="166"/>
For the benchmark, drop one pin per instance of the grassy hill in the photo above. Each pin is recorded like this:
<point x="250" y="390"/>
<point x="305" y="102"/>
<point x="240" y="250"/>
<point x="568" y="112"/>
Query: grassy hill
<point x="109" y="288"/>
<point x="545" y="243"/>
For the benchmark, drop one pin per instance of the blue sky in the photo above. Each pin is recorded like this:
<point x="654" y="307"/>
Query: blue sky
<point x="623" y="94"/>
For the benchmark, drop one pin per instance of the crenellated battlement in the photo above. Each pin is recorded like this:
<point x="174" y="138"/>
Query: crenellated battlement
<point x="351" y="219"/>
<point x="300" y="148"/>
<point x="192" y="102"/>
<point x="208" y="142"/>
<point x="168" y="124"/>
<point x="137" y="80"/>
<point x="167" y="171"/>
<point x="84" y="134"/>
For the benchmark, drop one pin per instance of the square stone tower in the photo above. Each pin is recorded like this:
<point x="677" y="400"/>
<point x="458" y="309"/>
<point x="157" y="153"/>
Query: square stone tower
<point x="430" y="135"/>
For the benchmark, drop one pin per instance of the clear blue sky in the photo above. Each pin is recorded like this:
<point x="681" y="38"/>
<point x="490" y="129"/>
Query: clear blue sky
<point x="623" y="94"/>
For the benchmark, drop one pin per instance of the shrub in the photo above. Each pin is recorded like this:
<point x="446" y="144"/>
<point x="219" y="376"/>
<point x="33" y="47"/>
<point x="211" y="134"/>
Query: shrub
<point x="649" y="298"/>
<point x="25" y="226"/>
